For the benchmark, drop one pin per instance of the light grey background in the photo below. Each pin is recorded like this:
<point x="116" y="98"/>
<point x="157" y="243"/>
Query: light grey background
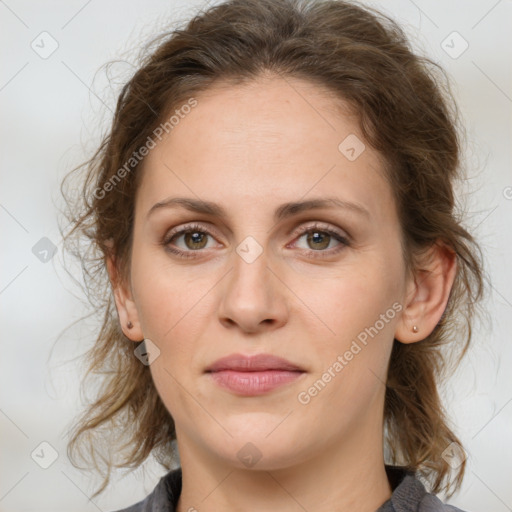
<point x="52" y="110"/>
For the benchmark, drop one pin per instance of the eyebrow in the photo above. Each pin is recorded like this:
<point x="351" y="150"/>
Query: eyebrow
<point x="284" y="211"/>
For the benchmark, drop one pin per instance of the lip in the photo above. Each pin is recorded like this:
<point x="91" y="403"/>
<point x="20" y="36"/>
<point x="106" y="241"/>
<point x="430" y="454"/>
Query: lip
<point x="253" y="375"/>
<point x="253" y="363"/>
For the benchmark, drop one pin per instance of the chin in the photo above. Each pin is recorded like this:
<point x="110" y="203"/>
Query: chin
<point x="258" y="450"/>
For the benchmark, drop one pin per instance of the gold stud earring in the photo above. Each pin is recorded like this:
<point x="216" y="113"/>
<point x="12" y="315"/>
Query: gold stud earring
<point x="415" y="329"/>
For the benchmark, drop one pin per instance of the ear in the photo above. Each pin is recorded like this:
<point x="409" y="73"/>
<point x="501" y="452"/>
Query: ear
<point x="125" y="305"/>
<point x="428" y="291"/>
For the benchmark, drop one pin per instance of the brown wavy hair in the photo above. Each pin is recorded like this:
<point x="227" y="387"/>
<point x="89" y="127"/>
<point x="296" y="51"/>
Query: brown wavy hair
<point x="406" y="111"/>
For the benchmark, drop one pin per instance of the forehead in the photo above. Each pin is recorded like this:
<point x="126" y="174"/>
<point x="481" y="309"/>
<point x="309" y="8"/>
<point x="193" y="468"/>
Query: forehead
<point x="265" y="138"/>
<point x="277" y="112"/>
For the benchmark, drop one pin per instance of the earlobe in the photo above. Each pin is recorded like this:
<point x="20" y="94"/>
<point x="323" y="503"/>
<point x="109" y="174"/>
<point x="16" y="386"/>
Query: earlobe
<point x="428" y="293"/>
<point x="125" y="305"/>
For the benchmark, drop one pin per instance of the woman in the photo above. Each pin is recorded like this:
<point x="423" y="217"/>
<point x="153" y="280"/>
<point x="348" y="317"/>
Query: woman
<point x="272" y="214"/>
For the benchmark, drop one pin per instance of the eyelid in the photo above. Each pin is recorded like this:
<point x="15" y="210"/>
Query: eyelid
<point x="183" y="228"/>
<point x="303" y="228"/>
<point x="321" y="226"/>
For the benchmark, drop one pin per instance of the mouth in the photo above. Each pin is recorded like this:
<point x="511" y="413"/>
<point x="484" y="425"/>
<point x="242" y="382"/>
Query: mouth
<point x="253" y="375"/>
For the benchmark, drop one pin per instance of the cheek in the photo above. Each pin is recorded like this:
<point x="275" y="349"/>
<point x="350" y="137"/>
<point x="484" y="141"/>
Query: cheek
<point x="352" y="299"/>
<point x="361" y="310"/>
<point x="166" y="296"/>
<point x="170" y="308"/>
<point x="175" y="310"/>
<point x="360" y="306"/>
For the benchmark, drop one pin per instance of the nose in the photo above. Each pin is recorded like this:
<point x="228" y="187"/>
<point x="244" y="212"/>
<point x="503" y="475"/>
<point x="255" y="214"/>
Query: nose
<point x="254" y="298"/>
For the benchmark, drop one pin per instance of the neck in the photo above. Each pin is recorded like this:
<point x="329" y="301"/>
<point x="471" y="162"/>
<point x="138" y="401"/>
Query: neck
<point x="345" y="477"/>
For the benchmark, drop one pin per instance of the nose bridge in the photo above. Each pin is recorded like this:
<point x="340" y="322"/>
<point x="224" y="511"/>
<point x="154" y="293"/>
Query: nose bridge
<point x="250" y="279"/>
<point x="251" y="298"/>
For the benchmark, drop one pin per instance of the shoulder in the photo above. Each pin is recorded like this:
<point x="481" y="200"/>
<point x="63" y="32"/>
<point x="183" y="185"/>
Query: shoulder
<point x="409" y="494"/>
<point x="431" y="503"/>
<point x="164" y="496"/>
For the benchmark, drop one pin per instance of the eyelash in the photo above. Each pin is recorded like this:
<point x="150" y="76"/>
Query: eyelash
<point x="192" y="228"/>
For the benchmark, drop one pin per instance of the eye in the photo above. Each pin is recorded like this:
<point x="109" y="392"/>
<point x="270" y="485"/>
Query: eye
<point x="195" y="238"/>
<point x="318" y="238"/>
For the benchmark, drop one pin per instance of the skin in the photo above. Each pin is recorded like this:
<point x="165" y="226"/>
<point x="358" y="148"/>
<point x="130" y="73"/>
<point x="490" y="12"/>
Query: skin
<point x="251" y="148"/>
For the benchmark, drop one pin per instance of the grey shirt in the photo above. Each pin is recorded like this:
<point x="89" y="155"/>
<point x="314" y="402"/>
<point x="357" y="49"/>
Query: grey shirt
<point x="408" y="495"/>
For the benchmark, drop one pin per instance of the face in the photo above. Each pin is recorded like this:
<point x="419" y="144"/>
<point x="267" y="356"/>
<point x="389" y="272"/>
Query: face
<point x="321" y="287"/>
